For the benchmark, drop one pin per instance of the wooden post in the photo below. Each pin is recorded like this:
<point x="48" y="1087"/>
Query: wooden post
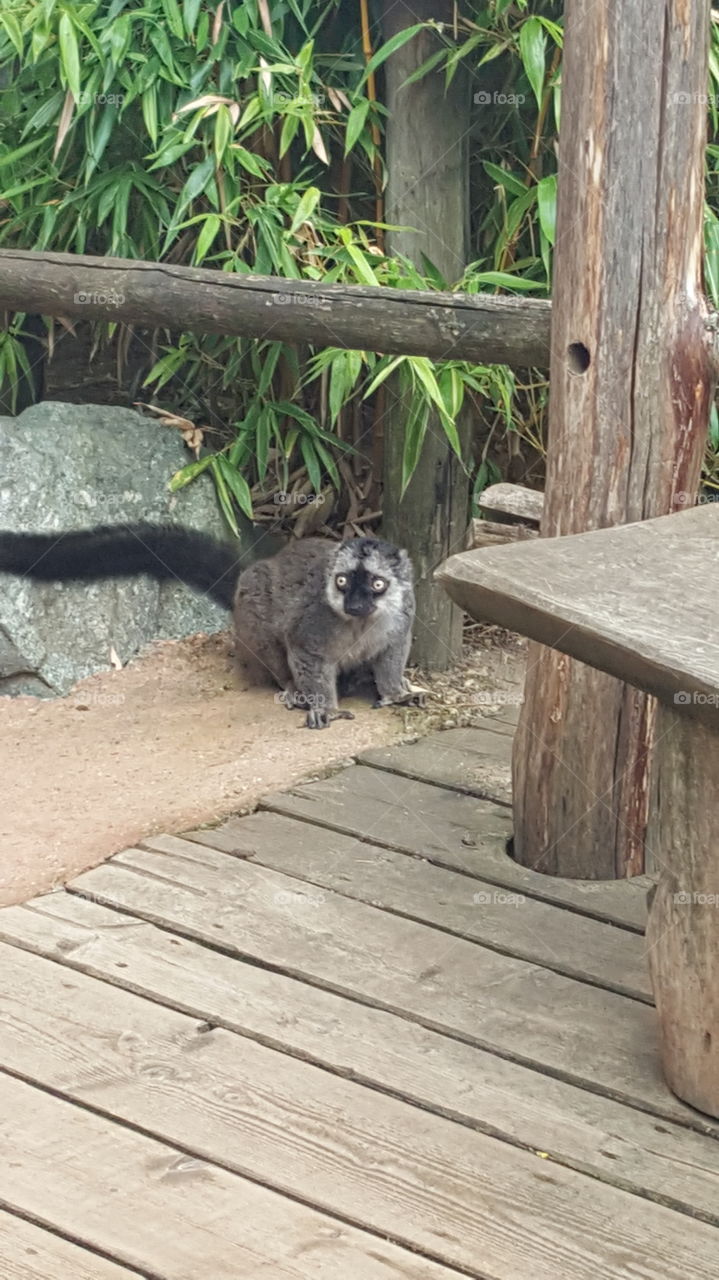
<point x="631" y="380"/>
<point x="683" y="929"/>
<point x="427" y="134"/>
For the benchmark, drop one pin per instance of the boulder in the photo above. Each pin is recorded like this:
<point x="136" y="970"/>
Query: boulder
<point x="71" y="467"/>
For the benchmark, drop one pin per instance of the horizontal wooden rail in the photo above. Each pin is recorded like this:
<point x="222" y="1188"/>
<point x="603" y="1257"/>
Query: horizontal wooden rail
<point x="444" y="326"/>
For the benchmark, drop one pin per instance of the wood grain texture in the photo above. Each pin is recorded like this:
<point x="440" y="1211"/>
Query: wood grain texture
<point x="476" y="762"/>
<point x="512" y="501"/>
<point x="442" y="1188"/>
<point x="577" y="1032"/>
<point x="426" y="132"/>
<point x="490" y="533"/>
<point x="29" y="1253"/>
<point x="452" y="830"/>
<point x="581" y="1129"/>
<point x="682" y="935"/>
<point x="637" y="601"/>
<point x="632" y="374"/>
<point x="154" y="1207"/>
<point x="508" y="921"/>
<point x="473" y="327"/>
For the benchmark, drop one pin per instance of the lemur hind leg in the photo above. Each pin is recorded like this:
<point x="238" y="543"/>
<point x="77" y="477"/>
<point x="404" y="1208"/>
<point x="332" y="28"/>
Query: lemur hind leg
<point x="315" y="682"/>
<point x="393" y="687"/>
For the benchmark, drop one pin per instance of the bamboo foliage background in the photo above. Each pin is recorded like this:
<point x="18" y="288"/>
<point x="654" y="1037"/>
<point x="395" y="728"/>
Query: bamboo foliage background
<point x="248" y="137"/>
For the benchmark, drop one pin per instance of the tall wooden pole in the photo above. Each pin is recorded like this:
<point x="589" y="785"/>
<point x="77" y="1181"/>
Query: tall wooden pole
<point x="427" y="133"/>
<point x="631" y="376"/>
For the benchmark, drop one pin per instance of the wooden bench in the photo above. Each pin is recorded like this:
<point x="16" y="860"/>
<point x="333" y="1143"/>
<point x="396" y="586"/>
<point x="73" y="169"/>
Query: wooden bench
<point x="641" y="602"/>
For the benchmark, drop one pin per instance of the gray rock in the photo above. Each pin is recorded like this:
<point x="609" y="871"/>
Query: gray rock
<point x="71" y="467"/>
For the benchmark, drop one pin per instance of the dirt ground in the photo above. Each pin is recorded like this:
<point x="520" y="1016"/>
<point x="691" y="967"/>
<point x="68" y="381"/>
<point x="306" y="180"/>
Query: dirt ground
<point x="173" y="741"/>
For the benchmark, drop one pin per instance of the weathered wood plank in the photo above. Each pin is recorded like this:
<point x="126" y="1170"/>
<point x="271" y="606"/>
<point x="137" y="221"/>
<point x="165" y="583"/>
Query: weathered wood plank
<point x="583" y="1130"/>
<point x="682" y="933"/>
<point x="512" y="923"/>
<point x="475" y="761"/>
<point x="452" y="830"/>
<point x="490" y="533"/>
<point x="439" y="1187"/>
<point x="477" y="327"/>
<point x="637" y="601"/>
<point x="29" y="1253"/>
<point x="514" y="501"/>
<point x="180" y="1217"/>
<point x="580" y="1033"/>
<point x="628" y="415"/>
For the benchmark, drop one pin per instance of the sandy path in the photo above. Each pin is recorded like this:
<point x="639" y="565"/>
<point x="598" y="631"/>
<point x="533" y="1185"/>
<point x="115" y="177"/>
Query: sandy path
<point x="168" y="743"/>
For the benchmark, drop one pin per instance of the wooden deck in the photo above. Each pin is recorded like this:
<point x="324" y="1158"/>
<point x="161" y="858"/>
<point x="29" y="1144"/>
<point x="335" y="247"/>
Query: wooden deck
<point x="345" y="1038"/>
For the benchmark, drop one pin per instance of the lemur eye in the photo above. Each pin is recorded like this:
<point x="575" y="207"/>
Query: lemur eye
<point x="378" y="585"/>
<point x="341" y="581"/>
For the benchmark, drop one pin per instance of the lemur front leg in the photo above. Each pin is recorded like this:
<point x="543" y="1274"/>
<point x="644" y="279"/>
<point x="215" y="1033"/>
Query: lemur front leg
<point x="315" y="688"/>
<point x="393" y="687"/>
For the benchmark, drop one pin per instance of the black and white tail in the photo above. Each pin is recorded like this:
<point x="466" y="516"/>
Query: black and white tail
<point x="163" y="552"/>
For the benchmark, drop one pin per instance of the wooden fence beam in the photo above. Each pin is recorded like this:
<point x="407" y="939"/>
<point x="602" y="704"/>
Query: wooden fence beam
<point x="443" y="326"/>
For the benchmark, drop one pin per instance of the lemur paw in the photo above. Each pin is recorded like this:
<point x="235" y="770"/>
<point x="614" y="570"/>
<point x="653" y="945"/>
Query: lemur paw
<point x="318" y="718"/>
<point x="410" y="695"/>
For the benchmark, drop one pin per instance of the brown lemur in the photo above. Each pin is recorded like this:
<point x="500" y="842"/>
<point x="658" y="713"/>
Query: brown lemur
<point x="315" y="612"/>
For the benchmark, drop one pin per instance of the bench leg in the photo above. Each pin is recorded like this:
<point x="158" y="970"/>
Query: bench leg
<point x="683" y="929"/>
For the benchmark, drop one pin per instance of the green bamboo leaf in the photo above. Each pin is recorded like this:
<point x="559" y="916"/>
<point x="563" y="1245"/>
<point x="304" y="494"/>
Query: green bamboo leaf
<point x="383" y="373"/>
<point x="532" y="50"/>
<point x="188" y="473"/>
<point x="69" y="55"/>
<point x="547" y="205"/>
<point x="269" y="364"/>
<point x="415" y="432"/>
<point x="13" y="31"/>
<point x="174" y="18"/>
<point x="362" y="266"/>
<point x="290" y="125"/>
<point x="237" y="485"/>
<point x="223" y="494"/>
<point x="505" y="179"/>
<point x="310" y="459"/>
<point x="391" y="46"/>
<point x="504" y="280"/>
<point x="190" y="10"/>
<point x="256" y="165"/>
<point x="421" y="72"/>
<point x="149" y="112"/>
<point x="223" y="133"/>
<point x="355" y="123"/>
<point x="211" y="226"/>
<point x="262" y="440"/>
<point x="305" y="208"/>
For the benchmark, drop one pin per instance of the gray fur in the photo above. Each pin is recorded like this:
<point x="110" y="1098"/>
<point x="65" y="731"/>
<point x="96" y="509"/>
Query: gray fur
<point x="292" y="627"/>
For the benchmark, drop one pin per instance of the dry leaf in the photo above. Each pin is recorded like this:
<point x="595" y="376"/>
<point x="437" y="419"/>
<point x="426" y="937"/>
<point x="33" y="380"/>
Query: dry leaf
<point x="115" y="662"/>
<point x="217" y="24"/>
<point x="192" y="435"/>
<point x="318" y="147"/>
<point x="64" y="122"/>
<point x="265" y="18"/>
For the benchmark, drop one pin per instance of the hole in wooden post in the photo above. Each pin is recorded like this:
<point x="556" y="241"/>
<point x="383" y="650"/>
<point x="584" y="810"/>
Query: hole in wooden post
<point x="578" y="357"/>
